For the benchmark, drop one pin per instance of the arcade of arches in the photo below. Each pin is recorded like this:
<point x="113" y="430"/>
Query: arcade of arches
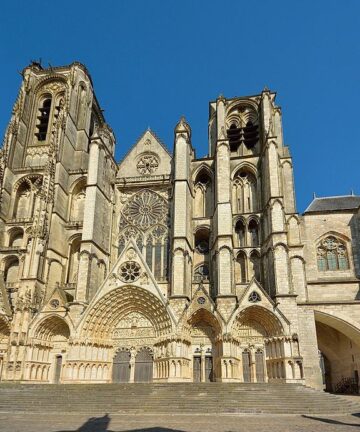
<point x="129" y="336"/>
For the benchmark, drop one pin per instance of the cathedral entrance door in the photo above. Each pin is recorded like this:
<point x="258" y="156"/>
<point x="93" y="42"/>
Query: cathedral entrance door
<point x="209" y="372"/>
<point x="197" y="369"/>
<point x="121" y="367"/>
<point x="246" y="366"/>
<point x="259" y="365"/>
<point x="144" y="366"/>
<point x="58" y="365"/>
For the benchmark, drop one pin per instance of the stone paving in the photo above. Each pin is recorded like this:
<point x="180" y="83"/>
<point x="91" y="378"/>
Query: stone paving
<point x="176" y="423"/>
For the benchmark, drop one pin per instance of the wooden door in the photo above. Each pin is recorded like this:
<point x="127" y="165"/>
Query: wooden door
<point x="144" y="366"/>
<point x="209" y="372"/>
<point x="58" y="366"/>
<point x="246" y="366"/>
<point x="259" y="366"/>
<point x="121" y="367"/>
<point x="197" y="369"/>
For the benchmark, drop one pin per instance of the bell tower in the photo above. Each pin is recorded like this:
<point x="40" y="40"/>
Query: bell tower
<point x="55" y="165"/>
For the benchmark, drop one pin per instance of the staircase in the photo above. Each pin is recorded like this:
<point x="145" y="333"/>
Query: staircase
<point x="177" y="398"/>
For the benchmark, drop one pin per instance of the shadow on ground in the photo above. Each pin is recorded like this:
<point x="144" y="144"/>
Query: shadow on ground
<point x="101" y="424"/>
<point x="333" y="421"/>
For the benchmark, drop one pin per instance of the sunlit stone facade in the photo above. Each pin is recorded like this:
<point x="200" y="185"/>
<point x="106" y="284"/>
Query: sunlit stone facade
<point x="167" y="267"/>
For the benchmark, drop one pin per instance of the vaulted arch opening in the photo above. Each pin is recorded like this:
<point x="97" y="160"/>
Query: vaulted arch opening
<point x="339" y="351"/>
<point x="205" y="346"/>
<point x="259" y="343"/>
<point x="47" y="352"/>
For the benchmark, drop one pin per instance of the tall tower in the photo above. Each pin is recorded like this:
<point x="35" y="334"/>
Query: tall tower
<point x="56" y="164"/>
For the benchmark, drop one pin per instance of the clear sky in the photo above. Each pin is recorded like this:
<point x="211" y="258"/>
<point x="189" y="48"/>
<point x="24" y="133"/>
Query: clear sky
<point x="152" y="61"/>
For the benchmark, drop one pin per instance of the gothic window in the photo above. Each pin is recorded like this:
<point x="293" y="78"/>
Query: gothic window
<point x="74" y="259"/>
<point x="16" y="237"/>
<point x="144" y="217"/>
<point x="254" y="297"/>
<point x="157" y="264"/>
<point x="140" y="243"/>
<point x="166" y="258"/>
<point x="145" y="209"/>
<point x="203" y="195"/>
<point x="202" y="237"/>
<point x="81" y="107"/>
<point x="254" y="233"/>
<point x="78" y="204"/>
<point x="255" y="266"/>
<point x="201" y="273"/>
<point x="129" y="271"/>
<point x="147" y="164"/>
<point x="121" y="245"/>
<point x="240" y="268"/>
<point x="251" y="134"/>
<point x="11" y="271"/>
<point x="149" y="251"/>
<point x="244" y="192"/>
<point x="332" y="254"/>
<point x="43" y="120"/>
<point x="234" y="134"/>
<point x="240" y="233"/>
<point x="23" y="202"/>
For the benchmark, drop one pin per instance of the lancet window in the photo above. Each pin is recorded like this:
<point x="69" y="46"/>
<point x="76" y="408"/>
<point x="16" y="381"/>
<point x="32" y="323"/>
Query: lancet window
<point x="203" y="206"/>
<point x="332" y="254"/>
<point x="43" y="117"/>
<point x="244" y="192"/>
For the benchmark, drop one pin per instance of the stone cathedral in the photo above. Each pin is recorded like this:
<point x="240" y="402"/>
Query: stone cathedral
<point x="166" y="267"/>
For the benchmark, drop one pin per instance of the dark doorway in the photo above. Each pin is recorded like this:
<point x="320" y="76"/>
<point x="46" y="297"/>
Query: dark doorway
<point x="144" y="366"/>
<point x="259" y="365"/>
<point x="325" y="367"/>
<point x="209" y="370"/>
<point x="58" y="365"/>
<point x="246" y="366"/>
<point x="197" y="369"/>
<point x="121" y="367"/>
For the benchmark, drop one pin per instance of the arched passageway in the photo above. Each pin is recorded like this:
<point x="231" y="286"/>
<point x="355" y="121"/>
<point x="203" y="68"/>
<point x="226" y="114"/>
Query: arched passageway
<point x="206" y="347"/>
<point x="47" y="351"/>
<point x="259" y="346"/>
<point x="339" y="351"/>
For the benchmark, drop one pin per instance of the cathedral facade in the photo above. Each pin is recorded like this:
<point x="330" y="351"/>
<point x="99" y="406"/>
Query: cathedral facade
<point x="166" y="267"/>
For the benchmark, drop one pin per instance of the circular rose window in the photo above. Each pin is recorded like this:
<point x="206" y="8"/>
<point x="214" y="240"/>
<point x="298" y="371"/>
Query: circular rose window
<point x="145" y="209"/>
<point x="147" y="164"/>
<point x="129" y="271"/>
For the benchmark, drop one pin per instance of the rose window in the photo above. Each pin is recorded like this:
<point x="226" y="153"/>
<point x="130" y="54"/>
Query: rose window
<point x="147" y="164"/>
<point x="129" y="271"/>
<point x="254" y="297"/>
<point x="145" y="209"/>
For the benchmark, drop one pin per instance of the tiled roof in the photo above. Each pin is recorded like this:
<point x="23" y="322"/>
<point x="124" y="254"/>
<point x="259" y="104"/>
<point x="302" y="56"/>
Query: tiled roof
<point x="336" y="203"/>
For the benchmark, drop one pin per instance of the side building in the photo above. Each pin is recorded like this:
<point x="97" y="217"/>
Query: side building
<point x="167" y="267"/>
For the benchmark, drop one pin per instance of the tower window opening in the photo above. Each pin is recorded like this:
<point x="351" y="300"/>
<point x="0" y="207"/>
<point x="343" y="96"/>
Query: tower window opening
<point x="235" y="136"/>
<point x="251" y="134"/>
<point x="43" y="120"/>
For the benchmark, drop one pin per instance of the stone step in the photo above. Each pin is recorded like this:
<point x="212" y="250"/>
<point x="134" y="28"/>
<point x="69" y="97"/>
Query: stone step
<point x="171" y="398"/>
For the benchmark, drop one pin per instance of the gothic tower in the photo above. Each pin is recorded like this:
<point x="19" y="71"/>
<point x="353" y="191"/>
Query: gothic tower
<point x="57" y="165"/>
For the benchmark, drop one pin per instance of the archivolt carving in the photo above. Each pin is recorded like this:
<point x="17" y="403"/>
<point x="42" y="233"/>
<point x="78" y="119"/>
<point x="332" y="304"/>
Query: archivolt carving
<point x="105" y="315"/>
<point x="134" y="326"/>
<point x="255" y="322"/>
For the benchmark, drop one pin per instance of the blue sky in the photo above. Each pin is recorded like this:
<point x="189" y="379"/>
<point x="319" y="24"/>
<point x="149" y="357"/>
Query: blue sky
<point x="153" y="61"/>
